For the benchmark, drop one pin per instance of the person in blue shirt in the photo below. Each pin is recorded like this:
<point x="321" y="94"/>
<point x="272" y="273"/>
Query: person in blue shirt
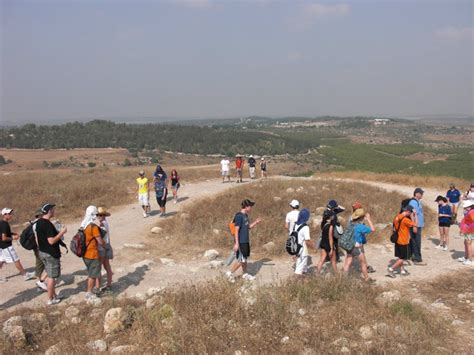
<point x="444" y="222"/>
<point x="358" y="217"/>
<point x="454" y="196"/>
<point x="418" y="218"/>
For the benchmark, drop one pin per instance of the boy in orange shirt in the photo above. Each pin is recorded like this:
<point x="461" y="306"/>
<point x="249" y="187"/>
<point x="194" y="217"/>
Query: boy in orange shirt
<point x="402" y="224"/>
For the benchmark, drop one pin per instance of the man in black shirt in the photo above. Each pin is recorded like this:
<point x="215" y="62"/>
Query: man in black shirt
<point x="48" y="249"/>
<point x="8" y="254"/>
<point x="252" y="163"/>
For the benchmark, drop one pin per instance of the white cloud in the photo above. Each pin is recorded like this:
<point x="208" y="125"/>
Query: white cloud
<point x="194" y="3"/>
<point x="455" y="33"/>
<point x="311" y="13"/>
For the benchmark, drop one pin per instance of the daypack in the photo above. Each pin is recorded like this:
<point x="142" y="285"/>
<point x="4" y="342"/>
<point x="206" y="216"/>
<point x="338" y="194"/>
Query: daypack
<point x="232" y="225"/>
<point x="78" y="243"/>
<point x="406" y="202"/>
<point x="346" y="241"/>
<point x="394" y="236"/>
<point x="338" y="231"/>
<point x="27" y="236"/>
<point x="292" y="245"/>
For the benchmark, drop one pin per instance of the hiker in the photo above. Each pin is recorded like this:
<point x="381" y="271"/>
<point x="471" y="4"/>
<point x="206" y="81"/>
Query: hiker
<point x="415" y="237"/>
<point x="91" y="256"/>
<point x="292" y="216"/>
<point x="161" y="191"/>
<point x="225" y="167"/>
<point x="174" y="184"/>
<point x="242" y="239"/>
<point x="263" y="167"/>
<point x="327" y="244"/>
<point x="106" y="252"/>
<point x="469" y="194"/>
<point x="453" y="195"/>
<point x="8" y="253"/>
<point x="467" y="229"/>
<point x="239" y="166"/>
<point x="360" y="231"/>
<point x="159" y="173"/>
<point x="356" y="205"/>
<point x="48" y="245"/>
<point x="252" y="164"/>
<point x="40" y="272"/>
<point x="143" y="193"/>
<point x="444" y="222"/>
<point x="402" y="224"/>
<point x="334" y="206"/>
<point x="304" y="238"/>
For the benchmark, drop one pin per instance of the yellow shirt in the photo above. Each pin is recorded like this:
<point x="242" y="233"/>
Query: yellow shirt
<point x="142" y="185"/>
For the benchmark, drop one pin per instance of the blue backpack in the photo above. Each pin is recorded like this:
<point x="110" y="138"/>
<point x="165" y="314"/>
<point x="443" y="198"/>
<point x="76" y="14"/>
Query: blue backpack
<point x="346" y="241"/>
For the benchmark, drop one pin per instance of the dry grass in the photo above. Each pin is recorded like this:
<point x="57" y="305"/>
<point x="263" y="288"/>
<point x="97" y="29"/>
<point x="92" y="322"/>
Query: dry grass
<point x="206" y="222"/>
<point x="318" y="316"/>
<point x="437" y="182"/>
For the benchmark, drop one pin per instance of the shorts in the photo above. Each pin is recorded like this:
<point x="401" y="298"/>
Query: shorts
<point x="143" y="200"/>
<point x="225" y="172"/>
<point x="175" y="187"/>
<point x="239" y="171"/>
<point x="469" y="236"/>
<point x="243" y="253"/>
<point x="9" y="255"/>
<point x="106" y="252"/>
<point x="161" y="200"/>
<point x="52" y="266"/>
<point x="301" y="266"/>
<point x="402" y="251"/>
<point x="444" y="224"/>
<point x="356" y="251"/>
<point x="93" y="267"/>
<point x="39" y="265"/>
<point x="252" y="171"/>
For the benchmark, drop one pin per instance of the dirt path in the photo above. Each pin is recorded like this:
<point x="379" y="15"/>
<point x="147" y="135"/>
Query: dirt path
<point x="135" y="278"/>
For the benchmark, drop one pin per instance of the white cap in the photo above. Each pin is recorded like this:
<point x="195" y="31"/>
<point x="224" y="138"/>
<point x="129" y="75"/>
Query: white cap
<point x="295" y="204"/>
<point x="467" y="203"/>
<point x="251" y="156"/>
<point x="6" y="210"/>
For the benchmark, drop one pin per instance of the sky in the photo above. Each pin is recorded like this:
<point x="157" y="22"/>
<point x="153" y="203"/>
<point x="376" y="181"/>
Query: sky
<point x="85" y="59"/>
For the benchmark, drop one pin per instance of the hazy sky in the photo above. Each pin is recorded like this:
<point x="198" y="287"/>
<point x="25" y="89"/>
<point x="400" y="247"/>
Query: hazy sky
<point x="204" y="58"/>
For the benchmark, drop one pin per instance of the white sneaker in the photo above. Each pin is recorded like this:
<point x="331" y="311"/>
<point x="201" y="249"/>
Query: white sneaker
<point x="462" y="259"/>
<point x="3" y="279"/>
<point x="29" y="275"/>
<point x="89" y="296"/>
<point x="439" y="246"/>
<point x="445" y="248"/>
<point x="468" y="262"/>
<point x="175" y="201"/>
<point x="53" y="301"/>
<point x="41" y="285"/>
<point x="248" y="277"/>
<point x="145" y="215"/>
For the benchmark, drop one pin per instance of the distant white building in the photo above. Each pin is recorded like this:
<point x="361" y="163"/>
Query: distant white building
<point x="380" y="121"/>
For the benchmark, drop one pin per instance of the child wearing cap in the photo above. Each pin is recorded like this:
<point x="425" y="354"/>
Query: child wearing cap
<point x="143" y="193"/>
<point x="444" y="222"/>
<point x="263" y="167"/>
<point x="8" y="253"/>
<point x="467" y="228"/>
<point x="292" y="216"/>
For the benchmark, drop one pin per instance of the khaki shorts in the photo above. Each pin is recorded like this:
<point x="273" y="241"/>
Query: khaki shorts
<point x="52" y="266"/>
<point x="93" y="267"/>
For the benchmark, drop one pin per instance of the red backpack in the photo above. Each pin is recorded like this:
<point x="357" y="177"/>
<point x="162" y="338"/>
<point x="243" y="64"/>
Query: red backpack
<point x="78" y="243"/>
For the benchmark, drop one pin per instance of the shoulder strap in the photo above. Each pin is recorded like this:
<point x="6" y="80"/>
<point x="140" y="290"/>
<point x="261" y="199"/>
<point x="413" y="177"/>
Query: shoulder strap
<point x="400" y="223"/>
<point x="301" y="227"/>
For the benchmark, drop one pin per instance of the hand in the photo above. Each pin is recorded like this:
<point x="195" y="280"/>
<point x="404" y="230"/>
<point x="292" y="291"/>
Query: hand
<point x="63" y="230"/>
<point x="236" y="247"/>
<point x="331" y="252"/>
<point x="15" y="236"/>
<point x="258" y="220"/>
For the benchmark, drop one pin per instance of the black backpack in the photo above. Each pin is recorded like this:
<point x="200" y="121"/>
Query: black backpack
<point x="27" y="236"/>
<point x="292" y="245"/>
<point x="394" y="235"/>
<point x="406" y="202"/>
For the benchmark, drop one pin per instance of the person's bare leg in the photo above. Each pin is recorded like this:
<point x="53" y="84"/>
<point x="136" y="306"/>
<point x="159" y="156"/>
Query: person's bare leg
<point x="469" y="250"/>
<point x="20" y="267"/>
<point x="235" y="267"/>
<point x="398" y="264"/>
<point x="51" y="287"/>
<point x="333" y="262"/>
<point x="90" y="284"/>
<point x="321" y="260"/>
<point x="347" y="263"/>
<point x="363" y="266"/>
<point x="108" y="269"/>
<point x="446" y="236"/>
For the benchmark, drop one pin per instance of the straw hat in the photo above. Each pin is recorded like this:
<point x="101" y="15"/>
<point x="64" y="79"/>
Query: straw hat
<point x="357" y="214"/>
<point x="103" y="211"/>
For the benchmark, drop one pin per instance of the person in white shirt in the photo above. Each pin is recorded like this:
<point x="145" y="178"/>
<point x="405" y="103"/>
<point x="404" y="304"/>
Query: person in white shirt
<point x="225" y="167"/>
<point x="304" y="239"/>
<point x="292" y="216"/>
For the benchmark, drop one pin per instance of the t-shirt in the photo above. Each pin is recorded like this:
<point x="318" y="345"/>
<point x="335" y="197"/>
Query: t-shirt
<point x="303" y="236"/>
<point x="360" y="231"/>
<point x="106" y="234"/>
<point x="453" y="195"/>
<point x="91" y="232"/>
<point x="418" y="206"/>
<point x="241" y="220"/>
<point x="225" y="165"/>
<point x="160" y="187"/>
<point x="404" y="231"/>
<point x="252" y="162"/>
<point x="44" y="230"/>
<point x="444" y="210"/>
<point x="142" y="185"/>
<point x="239" y="163"/>
<point x="291" y="218"/>
<point x="263" y="165"/>
<point x="467" y="223"/>
<point x="5" y="229"/>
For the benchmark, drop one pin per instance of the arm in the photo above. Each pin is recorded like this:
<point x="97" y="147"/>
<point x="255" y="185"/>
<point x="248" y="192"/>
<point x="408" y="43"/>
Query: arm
<point x="369" y="221"/>
<point x="236" y="238"/>
<point x="331" y="239"/>
<point x="257" y="221"/>
<point x="5" y="238"/>
<point x="287" y="225"/>
<point x="57" y="237"/>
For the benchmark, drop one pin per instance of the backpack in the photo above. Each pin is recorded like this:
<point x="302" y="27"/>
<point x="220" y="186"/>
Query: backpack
<point x="346" y="241"/>
<point x="406" y="202"/>
<point x="232" y="225"/>
<point x="78" y="243"/>
<point x="338" y="231"/>
<point x="28" y="237"/>
<point x="394" y="236"/>
<point x="292" y="245"/>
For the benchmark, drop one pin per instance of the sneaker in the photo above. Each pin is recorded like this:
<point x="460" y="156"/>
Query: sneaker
<point x="29" y="276"/>
<point x="404" y="272"/>
<point x="445" y="248"/>
<point x="439" y="246"/>
<point x="462" y="259"/>
<point x="54" y="300"/>
<point x="3" y="279"/>
<point x="41" y="285"/>
<point x="248" y="277"/>
<point x="468" y="262"/>
<point x="96" y="291"/>
<point x="106" y="289"/>
<point x="175" y="202"/>
<point x="145" y="215"/>
<point x="391" y="273"/>
<point x="89" y="296"/>
<point x="370" y="269"/>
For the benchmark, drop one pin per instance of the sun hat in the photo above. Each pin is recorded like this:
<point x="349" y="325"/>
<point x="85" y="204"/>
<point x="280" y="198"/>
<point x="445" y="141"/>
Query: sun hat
<point x="47" y="207"/>
<point x="418" y="190"/>
<point x="295" y="203"/>
<point x="102" y="211"/>
<point x="358" y="214"/>
<point x="141" y="173"/>
<point x="356" y="205"/>
<point x="262" y="158"/>
<point x="467" y="203"/>
<point x="247" y="203"/>
<point x="441" y="198"/>
<point x="7" y="210"/>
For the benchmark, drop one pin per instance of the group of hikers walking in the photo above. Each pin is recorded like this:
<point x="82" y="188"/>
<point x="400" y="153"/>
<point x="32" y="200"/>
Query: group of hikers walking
<point x="239" y="168"/>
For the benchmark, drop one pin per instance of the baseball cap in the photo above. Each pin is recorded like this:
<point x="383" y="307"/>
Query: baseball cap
<point x="295" y="203"/>
<point x="262" y="158"/>
<point x="38" y="213"/>
<point x="251" y="156"/>
<point x="418" y="190"/>
<point x="467" y="203"/>
<point x="47" y="207"/>
<point x="333" y="205"/>
<point x="7" y="210"/>
<point x="247" y="203"/>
